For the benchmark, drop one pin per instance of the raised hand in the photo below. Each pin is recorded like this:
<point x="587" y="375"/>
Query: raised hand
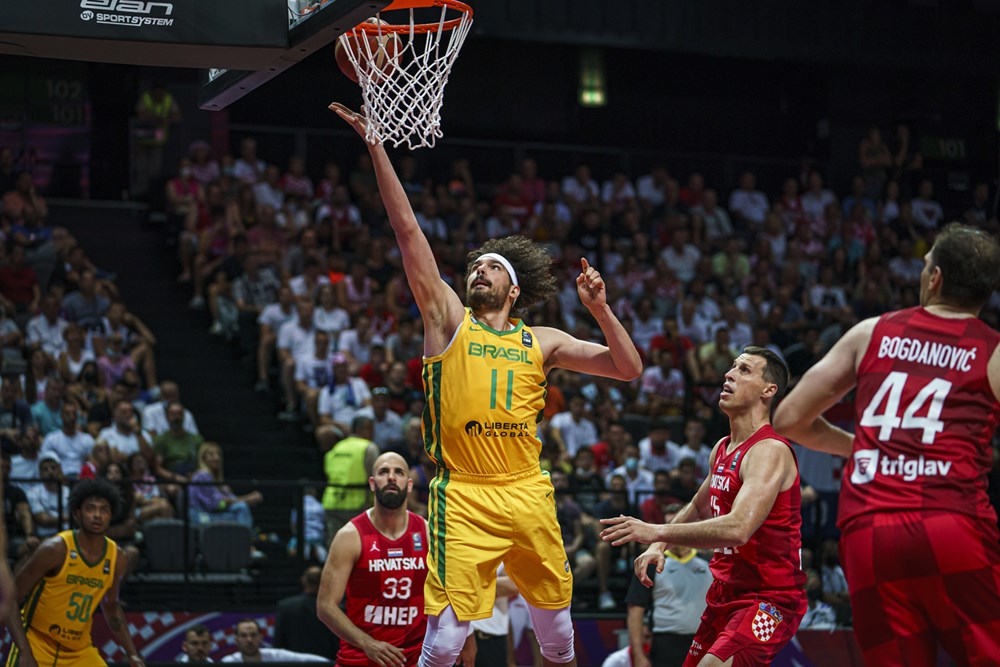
<point x="590" y="286"/>
<point x="352" y="118"/>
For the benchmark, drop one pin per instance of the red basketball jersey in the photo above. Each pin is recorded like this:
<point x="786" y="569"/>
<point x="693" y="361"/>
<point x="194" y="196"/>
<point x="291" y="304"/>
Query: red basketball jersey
<point x="772" y="558"/>
<point x="385" y="592"/>
<point x="925" y="414"/>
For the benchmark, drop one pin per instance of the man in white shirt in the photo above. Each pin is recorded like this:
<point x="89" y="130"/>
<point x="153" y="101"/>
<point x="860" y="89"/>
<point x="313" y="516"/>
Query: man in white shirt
<point x="388" y="425"/>
<point x="46" y="330"/>
<point x="124" y="436"/>
<point x="580" y="189"/>
<point x="657" y="451"/>
<point x="49" y="513"/>
<point x="571" y="429"/>
<point x="748" y="203"/>
<point x="295" y="339"/>
<point x="339" y="402"/>
<point x="70" y="444"/>
<point x="25" y="465"/>
<point x="817" y="198"/>
<point x="271" y="319"/>
<point x="681" y="256"/>
<point x="636" y="477"/>
<point x="430" y="221"/>
<point x="652" y="188"/>
<point x="268" y="192"/>
<point x="154" y="415"/>
<point x="248" y="640"/>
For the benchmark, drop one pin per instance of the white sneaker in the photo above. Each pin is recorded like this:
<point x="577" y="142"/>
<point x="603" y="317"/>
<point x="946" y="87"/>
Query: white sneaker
<point x="606" y="602"/>
<point x="197" y="303"/>
<point x="216" y="328"/>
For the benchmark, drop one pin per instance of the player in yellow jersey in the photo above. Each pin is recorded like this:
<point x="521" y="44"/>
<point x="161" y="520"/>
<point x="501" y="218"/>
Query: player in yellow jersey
<point x="65" y="580"/>
<point x="484" y="381"/>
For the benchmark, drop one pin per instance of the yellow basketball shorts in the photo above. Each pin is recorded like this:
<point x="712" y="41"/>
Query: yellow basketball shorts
<point x="475" y="522"/>
<point x="52" y="654"/>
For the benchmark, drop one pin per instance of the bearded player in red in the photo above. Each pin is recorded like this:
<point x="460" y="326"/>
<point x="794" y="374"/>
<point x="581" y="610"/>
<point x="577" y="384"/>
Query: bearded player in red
<point x="379" y="561"/>
<point x="919" y="544"/>
<point x="749" y="511"/>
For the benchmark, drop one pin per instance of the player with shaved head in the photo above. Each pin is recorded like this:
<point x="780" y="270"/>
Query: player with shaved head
<point x="379" y="560"/>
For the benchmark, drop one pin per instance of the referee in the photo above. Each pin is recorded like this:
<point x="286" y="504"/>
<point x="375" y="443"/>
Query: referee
<point x="677" y="599"/>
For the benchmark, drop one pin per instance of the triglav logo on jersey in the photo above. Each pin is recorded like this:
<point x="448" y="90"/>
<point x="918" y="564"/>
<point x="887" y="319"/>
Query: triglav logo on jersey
<point x="869" y="462"/>
<point x="865" y="465"/>
<point x="765" y="621"/>
<point x="127" y="12"/>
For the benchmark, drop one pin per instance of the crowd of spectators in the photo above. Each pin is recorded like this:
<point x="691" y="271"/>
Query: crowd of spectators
<point x="303" y="276"/>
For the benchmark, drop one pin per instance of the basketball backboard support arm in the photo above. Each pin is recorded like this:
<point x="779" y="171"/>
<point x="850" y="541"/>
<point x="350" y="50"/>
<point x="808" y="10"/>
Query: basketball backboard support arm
<point x="222" y="87"/>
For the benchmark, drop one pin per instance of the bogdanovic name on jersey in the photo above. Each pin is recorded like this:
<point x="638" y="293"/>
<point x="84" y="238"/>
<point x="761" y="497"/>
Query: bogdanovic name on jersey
<point x="394" y="564"/>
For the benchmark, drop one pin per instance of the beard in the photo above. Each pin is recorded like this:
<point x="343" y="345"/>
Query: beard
<point x="391" y="499"/>
<point x="489" y="299"/>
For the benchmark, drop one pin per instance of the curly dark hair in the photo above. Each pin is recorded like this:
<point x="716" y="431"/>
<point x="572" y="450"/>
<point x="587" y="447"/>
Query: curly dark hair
<point x="94" y="488"/>
<point x="531" y="262"/>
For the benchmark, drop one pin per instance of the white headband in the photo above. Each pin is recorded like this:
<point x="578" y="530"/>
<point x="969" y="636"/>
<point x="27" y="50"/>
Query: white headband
<point x="503" y="261"/>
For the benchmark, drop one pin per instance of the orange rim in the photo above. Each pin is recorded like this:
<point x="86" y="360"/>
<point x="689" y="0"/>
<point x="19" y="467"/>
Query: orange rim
<point x="419" y="27"/>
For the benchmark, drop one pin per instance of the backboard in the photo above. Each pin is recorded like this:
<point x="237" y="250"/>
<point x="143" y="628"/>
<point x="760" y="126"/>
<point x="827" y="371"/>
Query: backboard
<point x="240" y="43"/>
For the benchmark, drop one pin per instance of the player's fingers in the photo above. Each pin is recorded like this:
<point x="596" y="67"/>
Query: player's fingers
<point x="342" y="111"/>
<point x="584" y="264"/>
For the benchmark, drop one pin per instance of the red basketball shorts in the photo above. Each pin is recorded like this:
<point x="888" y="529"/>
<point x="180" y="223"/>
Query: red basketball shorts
<point x="920" y="578"/>
<point x="750" y="627"/>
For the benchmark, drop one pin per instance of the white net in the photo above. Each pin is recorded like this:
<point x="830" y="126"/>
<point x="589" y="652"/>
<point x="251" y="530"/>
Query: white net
<point x="403" y="74"/>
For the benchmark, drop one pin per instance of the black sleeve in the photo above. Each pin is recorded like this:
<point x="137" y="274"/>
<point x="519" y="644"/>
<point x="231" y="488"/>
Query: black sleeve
<point x="639" y="594"/>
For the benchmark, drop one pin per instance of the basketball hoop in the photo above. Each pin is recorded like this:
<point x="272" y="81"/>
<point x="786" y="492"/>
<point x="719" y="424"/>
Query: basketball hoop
<point x="402" y="101"/>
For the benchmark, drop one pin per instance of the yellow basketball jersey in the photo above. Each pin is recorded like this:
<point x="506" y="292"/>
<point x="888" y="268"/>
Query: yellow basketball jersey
<point x="61" y="607"/>
<point x="485" y="395"/>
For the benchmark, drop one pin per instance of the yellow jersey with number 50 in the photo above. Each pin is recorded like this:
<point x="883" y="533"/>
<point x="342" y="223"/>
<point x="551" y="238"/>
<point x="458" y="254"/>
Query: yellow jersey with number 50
<point x="61" y="606"/>
<point x="484" y="398"/>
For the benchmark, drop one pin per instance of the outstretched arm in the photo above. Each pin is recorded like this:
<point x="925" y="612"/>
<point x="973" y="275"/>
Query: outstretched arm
<point x="800" y="416"/>
<point x="767" y="470"/>
<point x="440" y="307"/>
<point x="618" y="359"/>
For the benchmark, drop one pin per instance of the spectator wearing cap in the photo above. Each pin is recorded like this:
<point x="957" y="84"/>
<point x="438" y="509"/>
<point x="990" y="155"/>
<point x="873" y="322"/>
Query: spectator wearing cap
<point x="388" y="425"/>
<point x="69" y="443"/>
<point x="314" y="371"/>
<point x="49" y="501"/>
<point x="339" y="403"/>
